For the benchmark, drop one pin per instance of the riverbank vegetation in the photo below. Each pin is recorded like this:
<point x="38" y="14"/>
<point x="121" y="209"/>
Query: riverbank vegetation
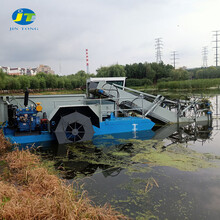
<point x="153" y="75"/>
<point x="29" y="190"/>
<point x="43" y="81"/>
<point x="189" y="84"/>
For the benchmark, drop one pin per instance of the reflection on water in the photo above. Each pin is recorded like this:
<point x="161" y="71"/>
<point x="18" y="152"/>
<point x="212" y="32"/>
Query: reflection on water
<point x="112" y="153"/>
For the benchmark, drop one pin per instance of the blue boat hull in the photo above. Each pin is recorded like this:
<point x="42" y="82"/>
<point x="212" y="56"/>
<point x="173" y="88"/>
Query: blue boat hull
<point x="112" y="126"/>
<point x="123" y="125"/>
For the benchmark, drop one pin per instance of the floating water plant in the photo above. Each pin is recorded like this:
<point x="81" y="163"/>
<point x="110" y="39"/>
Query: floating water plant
<point x="135" y="156"/>
<point x="175" y="155"/>
<point x="150" y="184"/>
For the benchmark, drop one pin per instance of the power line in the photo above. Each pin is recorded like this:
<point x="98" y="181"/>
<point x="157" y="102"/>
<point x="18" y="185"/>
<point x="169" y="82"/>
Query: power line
<point x="158" y="47"/>
<point x="216" y="34"/>
<point x="174" y="58"/>
<point x="204" y="57"/>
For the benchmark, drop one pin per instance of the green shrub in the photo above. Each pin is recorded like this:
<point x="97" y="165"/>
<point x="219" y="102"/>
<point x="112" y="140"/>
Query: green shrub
<point x="138" y="82"/>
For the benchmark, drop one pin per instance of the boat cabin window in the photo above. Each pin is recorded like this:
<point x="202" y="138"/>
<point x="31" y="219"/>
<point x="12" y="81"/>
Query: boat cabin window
<point x="120" y="83"/>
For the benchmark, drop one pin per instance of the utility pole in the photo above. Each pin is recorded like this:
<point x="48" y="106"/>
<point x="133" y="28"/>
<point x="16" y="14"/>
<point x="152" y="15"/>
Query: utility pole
<point x="216" y="34"/>
<point x="174" y="58"/>
<point x="158" y="47"/>
<point x="204" y="57"/>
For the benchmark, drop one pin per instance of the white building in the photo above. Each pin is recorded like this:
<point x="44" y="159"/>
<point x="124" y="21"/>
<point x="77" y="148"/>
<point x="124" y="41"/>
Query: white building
<point x="31" y="71"/>
<point x="17" y="71"/>
<point x="5" y="69"/>
<point x="27" y="71"/>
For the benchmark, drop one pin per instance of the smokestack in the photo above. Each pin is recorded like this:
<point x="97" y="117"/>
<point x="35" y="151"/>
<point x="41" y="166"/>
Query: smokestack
<point x="87" y="61"/>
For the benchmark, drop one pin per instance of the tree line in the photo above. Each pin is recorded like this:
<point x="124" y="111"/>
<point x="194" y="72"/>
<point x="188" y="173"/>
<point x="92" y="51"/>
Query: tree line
<point x="43" y="80"/>
<point x="138" y="74"/>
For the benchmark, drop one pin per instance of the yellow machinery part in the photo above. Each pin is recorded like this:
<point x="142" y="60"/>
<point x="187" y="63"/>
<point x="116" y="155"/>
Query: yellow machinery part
<point x="39" y="107"/>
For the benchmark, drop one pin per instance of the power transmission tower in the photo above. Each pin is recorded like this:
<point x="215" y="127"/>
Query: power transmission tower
<point x="174" y="58"/>
<point x="158" y="47"/>
<point x="204" y="57"/>
<point x="216" y="34"/>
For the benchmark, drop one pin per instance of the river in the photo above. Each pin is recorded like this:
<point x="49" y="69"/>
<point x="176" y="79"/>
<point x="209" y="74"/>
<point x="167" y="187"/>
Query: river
<point x="168" y="173"/>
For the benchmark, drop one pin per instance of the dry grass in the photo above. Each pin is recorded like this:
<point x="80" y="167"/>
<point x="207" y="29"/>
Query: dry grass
<point x="4" y="144"/>
<point x="31" y="192"/>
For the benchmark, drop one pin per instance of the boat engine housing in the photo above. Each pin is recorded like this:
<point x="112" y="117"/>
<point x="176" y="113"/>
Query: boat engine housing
<point x="27" y="119"/>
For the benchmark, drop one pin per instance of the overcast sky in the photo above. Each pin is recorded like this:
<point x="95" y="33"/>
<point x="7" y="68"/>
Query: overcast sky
<point x="114" y="31"/>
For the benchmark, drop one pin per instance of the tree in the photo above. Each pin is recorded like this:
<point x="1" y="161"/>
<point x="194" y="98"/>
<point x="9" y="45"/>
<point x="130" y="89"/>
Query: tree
<point x="42" y="83"/>
<point x="111" y="71"/>
<point x="2" y="79"/>
<point x="61" y="82"/>
<point x="34" y="82"/>
<point x="116" y="71"/>
<point x="179" y="74"/>
<point x="24" y="81"/>
<point x="81" y="74"/>
<point x="150" y="73"/>
<point x="41" y="75"/>
<point x="134" y="70"/>
<point x="67" y="83"/>
<point x="161" y="70"/>
<point x="51" y="81"/>
<point x="102" y="72"/>
<point x="13" y="83"/>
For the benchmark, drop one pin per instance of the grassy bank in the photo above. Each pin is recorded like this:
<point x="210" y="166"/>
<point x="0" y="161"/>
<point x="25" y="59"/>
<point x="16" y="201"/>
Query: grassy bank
<point x="189" y="84"/>
<point x="29" y="190"/>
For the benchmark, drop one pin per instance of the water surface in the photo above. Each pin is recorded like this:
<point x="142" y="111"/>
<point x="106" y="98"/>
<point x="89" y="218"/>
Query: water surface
<point x="169" y="173"/>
